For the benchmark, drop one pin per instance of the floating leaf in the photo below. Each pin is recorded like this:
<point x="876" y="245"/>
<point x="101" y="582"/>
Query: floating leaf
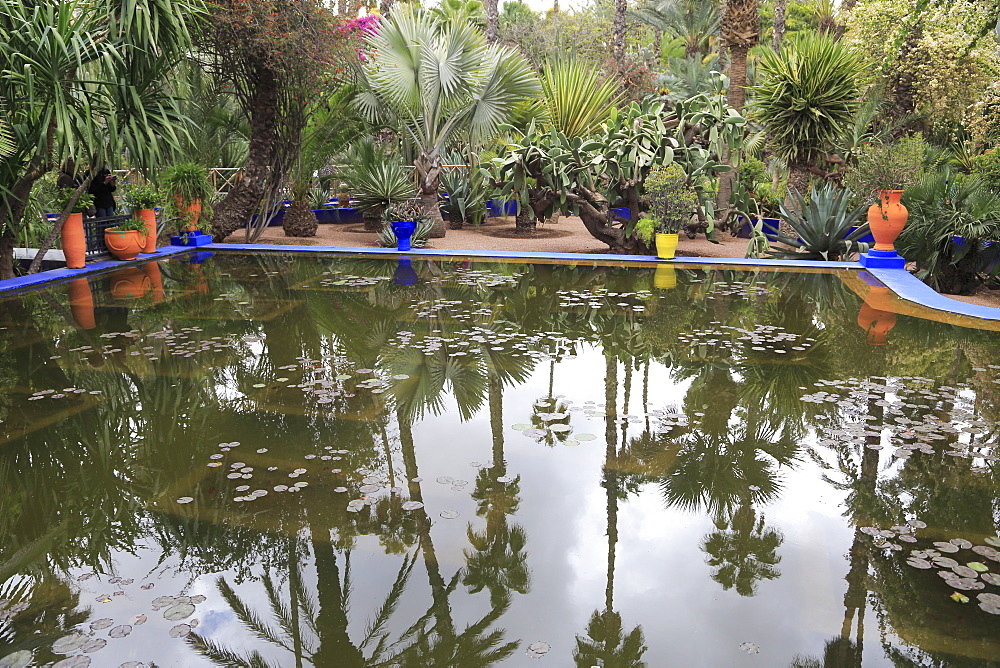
<point x="100" y="624"/>
<point x="959" y="598"/>
<point x="78" y="661"/>
<point x="18" y="659"/>
<point x="180" y="631"/>
<point x="94" y="644"/>
<point x="179" y="611"/>
<point x="185" y="499"/>
<point x="69" y="643"/>
<point x="412" y="505"/>
<point x="120" y="631"/>
<point x="449" y="514"/>
<point x="138" y="620"/>
<point x="946" y="547"/>
<point x="978" y="566"/>
<point x="585" y="437"/>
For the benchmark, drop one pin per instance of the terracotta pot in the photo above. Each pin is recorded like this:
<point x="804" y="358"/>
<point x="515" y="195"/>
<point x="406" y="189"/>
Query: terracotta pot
<point x="152" y="272"/>
<point x="130" y="283"/>
<point x="194" y="209"/>
<point x="74" y="243"/>
<point x="877" y="322"/>
<point x="124" y="244"/>
<point x="666" y="246"/>
<point x="148" y="216"/>
<point x="887" y="218"/>
<point x="81" y="303"/>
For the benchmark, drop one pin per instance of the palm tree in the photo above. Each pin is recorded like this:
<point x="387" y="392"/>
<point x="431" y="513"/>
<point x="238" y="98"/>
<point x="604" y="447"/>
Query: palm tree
<point x="806" y="98"/>
<point x="618" y="28"/>
<point x="85" y="80"/>
<point x="435" y="81"/>
<point x="694" y="23"/>
<point x="780" y="10"/>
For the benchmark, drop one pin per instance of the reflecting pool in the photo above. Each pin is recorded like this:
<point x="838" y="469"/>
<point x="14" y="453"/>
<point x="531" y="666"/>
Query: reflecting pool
<point x="300" y="459"/>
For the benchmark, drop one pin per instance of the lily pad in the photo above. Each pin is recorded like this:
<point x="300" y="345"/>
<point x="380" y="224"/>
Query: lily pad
<point x="180" y="631"/>
<point x="78" y="661"/>
<point x="449" y="514"/>
<point x="100" y="624"/>
<point x="179" y="611"/>
<point x="69" y="643"/>
<point x="120" y="631"/>
<point x="412" y="505"/>
<point x="946" y="547"/>
<point x="18" y="659"/>
<point x="978" y="566"/>
<point x="959" y="598"/>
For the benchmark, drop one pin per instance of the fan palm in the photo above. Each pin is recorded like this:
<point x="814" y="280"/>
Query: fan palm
<point x="435" y="81"/>
<point x="807" y="97"/>
<point x="694" y="23"/>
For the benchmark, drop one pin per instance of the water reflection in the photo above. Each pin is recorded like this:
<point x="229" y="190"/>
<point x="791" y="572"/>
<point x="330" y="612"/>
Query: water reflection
<point x="704" y="401"/>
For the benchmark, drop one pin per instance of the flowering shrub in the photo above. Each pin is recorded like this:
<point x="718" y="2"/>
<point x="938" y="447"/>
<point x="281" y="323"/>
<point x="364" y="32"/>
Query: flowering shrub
<point x="987" y="166"/>
<point x="945" y="54"/>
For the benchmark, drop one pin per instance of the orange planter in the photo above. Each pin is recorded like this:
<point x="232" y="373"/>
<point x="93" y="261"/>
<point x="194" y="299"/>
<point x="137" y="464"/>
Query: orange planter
<point x="148" y="216"/>
<point x="152" y="272"/>
<point x="887" y="218"/>
<point x="123" y="244"/>
<point x="193" y="209"/>
<point x="81" y="303"/>
<point x="74" y="243"/>
<point x="130" y="283"/>
<point x="875" y="318"/>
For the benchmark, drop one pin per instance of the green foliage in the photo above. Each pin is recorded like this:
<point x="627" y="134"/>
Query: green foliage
<point x="144" y="196"/>
<point x="893" y="166"/>
<point x="823" y="226"/>
<point x="132" y="224"/>
<point x="687" y="77"/>
<point x="461" y="11"/>
<point x="515" y="12"/>
<point x="466" y="198"/>
<point x="800" y="15"/>
<point x="378" y="180"/>
<point x="770" y="198"/>
<point x="186" y="181"/>
<point x="986" y="166"/>
<point x="752" y="172"/>
<point x="942" y="206"/>
<point x="694" y="22"/>
<point x="645" y="229"/>
<point x="672" y="201"/>
<point x="84" y="202"/>
<point x="576" y="97"/>
<point x="806" y="95"/>
<point x="398" y="211"/>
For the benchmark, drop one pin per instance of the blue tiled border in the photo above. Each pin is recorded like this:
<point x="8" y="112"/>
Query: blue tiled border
<point x="901" y="282"/>
<point x="19" y="283"/>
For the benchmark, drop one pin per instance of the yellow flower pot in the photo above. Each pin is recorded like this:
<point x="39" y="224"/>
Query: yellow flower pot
<point x="665" y="277"/>
<point x="666" y="246"/>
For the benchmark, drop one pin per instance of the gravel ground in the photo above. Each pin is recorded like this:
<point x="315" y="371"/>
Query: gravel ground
<point x="568" y="235"/>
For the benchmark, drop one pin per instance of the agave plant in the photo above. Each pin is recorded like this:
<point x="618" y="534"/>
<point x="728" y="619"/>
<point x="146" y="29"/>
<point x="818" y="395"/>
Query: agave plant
<point x="378" y="181"/>
<point x="823" y="226"/>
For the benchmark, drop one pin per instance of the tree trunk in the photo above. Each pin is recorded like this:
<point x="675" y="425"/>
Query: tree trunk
<point x="492" y="22"/>
<point x="299" y="220"/>
<point x="429" y="202"/>
<point x="245" y="195"/>
<point x="384" y="8"/>
<point x="16" y="203"/>
<point x="372" y="219"/>
<point x="798" y="178"/>
<point x="8" y="241"/>
<point x="658" y="45"/>
<point x="525" y="221"/>
<point x="618" y="27"/>
<point x="736" y="99"/>
<point x="845" y="8"/>
<point x="779" y="22"/>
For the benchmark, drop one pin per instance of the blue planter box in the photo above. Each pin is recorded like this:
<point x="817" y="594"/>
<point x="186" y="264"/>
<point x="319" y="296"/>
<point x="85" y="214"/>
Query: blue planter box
<point x="497" y="208"/>
<point x="622" y="211"/>
<point x="770" y="228"/>
<point x="196" y="238"/>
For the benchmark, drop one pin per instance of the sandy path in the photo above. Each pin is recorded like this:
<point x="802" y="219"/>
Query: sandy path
<point x="566" y="236"/>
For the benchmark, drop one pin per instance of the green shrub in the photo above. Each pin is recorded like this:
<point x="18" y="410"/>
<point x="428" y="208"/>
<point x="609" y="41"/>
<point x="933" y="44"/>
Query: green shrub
<point x="672" y="201"/>
<point x="892" y="166"/>
<point x="752" y="173"/>
<point x="986" y="166"/>
<point x="132" y="224"/>
<point x="144" y="196"/>
<point x="645" y="228"/>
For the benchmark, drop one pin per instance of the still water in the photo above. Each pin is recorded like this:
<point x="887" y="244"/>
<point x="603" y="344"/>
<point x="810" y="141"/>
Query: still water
<point x="343" y="461"/>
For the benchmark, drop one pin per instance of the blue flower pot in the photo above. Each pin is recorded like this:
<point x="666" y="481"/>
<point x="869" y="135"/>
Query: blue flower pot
<point x="403" y="229"/>
<point x="404" y="274"/>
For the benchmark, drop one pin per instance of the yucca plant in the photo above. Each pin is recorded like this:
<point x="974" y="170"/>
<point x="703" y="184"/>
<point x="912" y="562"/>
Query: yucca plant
<point x="576" y="98"/>
<point x="823" y="226"/>
<point x="378" y="180"/>
<point x="953" y="232"/>
<point x="806" y="98"/>
<point x="435" y="80"/>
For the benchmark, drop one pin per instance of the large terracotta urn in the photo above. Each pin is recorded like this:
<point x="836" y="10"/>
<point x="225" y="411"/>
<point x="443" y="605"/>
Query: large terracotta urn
<point x="74" y="243"/>
<point x="152" y="271"/>
<point x="193" y="211"/>
<point x="148" y="216"/>
<point x="886" y="218"/>
<point x="875" y="318"/>
<point x="81" y="303"/>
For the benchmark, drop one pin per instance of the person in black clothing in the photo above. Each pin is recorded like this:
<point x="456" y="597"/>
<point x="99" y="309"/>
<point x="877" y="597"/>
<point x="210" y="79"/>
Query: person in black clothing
<point x="102" y="187"/>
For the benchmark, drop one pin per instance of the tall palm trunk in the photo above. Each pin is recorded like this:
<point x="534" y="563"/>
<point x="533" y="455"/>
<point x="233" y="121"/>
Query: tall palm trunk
<point x="618" y="27"/>
<point x="428" y="166"/>
<point x="780" y="7"/>
<point x="492" y="22"/>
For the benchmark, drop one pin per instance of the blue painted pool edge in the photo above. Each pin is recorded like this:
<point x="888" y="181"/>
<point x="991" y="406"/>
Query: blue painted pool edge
<point x="900" y="281"/>
<point x="12" y="285"/>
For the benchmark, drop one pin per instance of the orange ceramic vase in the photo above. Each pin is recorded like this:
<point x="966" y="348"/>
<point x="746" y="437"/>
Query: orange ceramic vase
<point x="886" y="219"/>
<point x="152" y="271"/>
<point x="875" y="318"/>
<point x="81" y="303"/>
<point x="123" y="244"/>
<point x="74" y="243"/>
<point x="148" y="216"/>
<point x="130" y="283"/>
<point x="193" y="210"/>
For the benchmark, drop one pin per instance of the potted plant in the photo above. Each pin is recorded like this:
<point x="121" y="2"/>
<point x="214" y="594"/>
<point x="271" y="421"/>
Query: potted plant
<point x="881" y="173"/>
<point x="126" y="240"/>
<point x="73" y="239"/>
<point x="144" y="199"/>
<point x="344" y="195"/>
<point x="189" y="192"/>
<point x="672" y="202"/>
<point x="404" y="220"/>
